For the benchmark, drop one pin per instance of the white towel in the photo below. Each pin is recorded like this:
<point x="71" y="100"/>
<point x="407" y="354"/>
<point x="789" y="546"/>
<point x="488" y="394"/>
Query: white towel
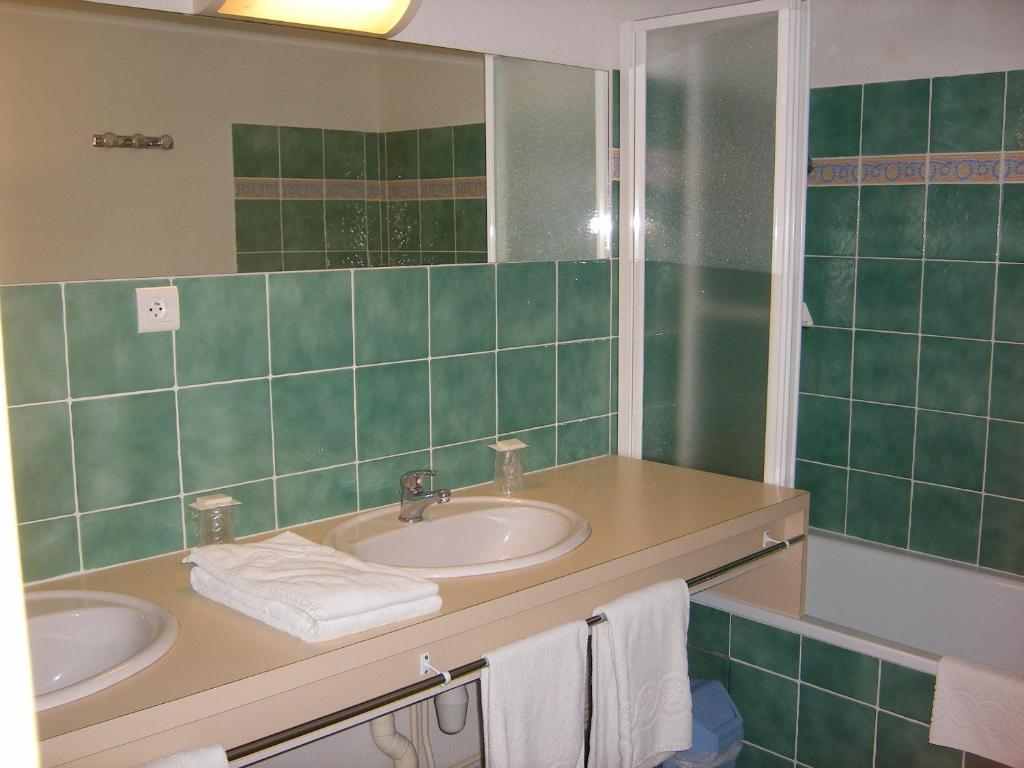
<point x="533" y="697"/>
<point x="642" y="711"/>
<point x="979" y="709"/>
<point x="201" y="757"/>
<point x="308" y="590"/>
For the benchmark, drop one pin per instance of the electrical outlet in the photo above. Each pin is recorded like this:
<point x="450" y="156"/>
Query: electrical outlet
<point x="157" y="309"/>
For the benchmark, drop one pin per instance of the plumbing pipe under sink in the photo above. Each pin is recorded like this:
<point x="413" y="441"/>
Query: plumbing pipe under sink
<point x="392" y="743"/>
<point x="451" y="707"/>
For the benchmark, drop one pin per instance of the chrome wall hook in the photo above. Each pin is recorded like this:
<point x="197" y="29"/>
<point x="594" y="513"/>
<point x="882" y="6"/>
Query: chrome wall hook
<point x="110" y="140"/>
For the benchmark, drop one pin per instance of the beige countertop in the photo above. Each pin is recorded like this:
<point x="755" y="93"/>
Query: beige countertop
<point x="641" y="513"/>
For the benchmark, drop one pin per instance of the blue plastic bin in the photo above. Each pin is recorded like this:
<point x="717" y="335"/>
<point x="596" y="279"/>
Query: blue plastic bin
<point x="717" y="729"/>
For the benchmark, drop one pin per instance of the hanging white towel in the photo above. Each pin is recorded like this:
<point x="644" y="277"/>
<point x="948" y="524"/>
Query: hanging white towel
<point x="200" y="757"/>
<point x="533" y="697"/>
<point x="308" y="590"/>
<point x="979" y="709"/>
<point x="642" y="711"/>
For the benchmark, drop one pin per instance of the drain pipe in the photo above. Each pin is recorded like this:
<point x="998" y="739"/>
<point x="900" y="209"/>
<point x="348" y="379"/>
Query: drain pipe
<point x="392" y="743"/>
<point x="451" y="707"/>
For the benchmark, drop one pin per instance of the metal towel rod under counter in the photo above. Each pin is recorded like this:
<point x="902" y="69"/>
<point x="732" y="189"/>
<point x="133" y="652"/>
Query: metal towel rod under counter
<point x="414" y="689"/>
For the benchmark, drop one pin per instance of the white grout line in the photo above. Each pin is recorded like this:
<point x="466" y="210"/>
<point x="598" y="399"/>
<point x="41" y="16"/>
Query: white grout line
<point x="495" y="287"/>
<point x="995" y="310"/>
<point x="878" y="700"/>
<point x="71" y="422"/>
<point x="280" y="202"/>
<point x="799" y="677"/>
<point x="270" y="403"/>
<point x="907" y="408"/>
<point x="818" y="326"/>
<point x="355" y="388"/>
<point x="853" y="316"/>
<point x="430" y="364"/>
<point x="177" y="436"/>
<point x="558" y="337"/>
<point x="920" y="323"/>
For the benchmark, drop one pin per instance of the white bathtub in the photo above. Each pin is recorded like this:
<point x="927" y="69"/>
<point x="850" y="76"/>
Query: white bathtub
<point x="902" y="607"/>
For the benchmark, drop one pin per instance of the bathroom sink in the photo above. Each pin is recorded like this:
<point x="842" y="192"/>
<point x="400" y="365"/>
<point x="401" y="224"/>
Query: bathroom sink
<point x="83" y="641"/>
<point x="467" y="536"/>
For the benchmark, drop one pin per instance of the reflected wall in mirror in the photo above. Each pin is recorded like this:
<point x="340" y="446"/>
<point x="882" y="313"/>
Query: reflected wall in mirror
<point x="552" y="173"/>
<point x="323" y="145"/>
<point x="302" y="394"/>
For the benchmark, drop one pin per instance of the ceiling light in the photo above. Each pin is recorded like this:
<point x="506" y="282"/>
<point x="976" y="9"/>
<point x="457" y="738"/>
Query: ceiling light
<point x="379" y="18"/>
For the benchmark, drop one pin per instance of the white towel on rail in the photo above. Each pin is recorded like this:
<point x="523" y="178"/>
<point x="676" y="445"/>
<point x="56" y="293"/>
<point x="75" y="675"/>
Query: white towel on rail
<point x="200" y="757"/>
<point x="308" y="590"/>
<point x="979" y="709"/>
<point x="642" y="710"/>
<point x="533" y="697"/>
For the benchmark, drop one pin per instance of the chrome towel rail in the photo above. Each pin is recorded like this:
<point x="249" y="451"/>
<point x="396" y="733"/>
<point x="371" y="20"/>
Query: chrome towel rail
<point x="414" y="689"/>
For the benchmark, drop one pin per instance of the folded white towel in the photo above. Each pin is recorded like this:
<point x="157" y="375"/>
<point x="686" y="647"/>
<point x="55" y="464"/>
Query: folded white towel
<point x="642" y="710"/>
<point x="201" y="757"/>
<point x="533" y="697"/>
<point x="308" y="590"/>
<point x="979" y="709"/>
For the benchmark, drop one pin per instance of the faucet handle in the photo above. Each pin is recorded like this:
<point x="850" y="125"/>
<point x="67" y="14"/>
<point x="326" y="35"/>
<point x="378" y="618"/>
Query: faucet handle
<point x="411" y="483"/>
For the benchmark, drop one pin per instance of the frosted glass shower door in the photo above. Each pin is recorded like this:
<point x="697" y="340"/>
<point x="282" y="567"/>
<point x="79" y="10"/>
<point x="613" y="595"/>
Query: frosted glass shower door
<point x="549" y="144"/>
<point x="715" y="252"/>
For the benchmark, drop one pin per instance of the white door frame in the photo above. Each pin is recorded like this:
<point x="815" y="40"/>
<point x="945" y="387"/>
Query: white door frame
<point x="787" y="238"/>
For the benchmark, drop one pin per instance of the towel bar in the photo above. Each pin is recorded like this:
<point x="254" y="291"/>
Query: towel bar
<point x="414" y="689"/>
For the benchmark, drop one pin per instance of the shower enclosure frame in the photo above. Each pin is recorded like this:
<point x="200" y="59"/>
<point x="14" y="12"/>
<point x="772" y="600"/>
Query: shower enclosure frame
<point x="791" y="99"/>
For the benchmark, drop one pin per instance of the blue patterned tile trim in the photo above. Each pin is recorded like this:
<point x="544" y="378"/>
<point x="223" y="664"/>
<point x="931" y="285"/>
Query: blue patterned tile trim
<point x="834" y="171"/>
<point x="980" y="168"/>
<point x="901" y="169"/>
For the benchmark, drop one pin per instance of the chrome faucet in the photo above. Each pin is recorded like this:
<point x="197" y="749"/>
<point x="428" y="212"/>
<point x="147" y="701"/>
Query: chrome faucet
<point x="415" y="499"/>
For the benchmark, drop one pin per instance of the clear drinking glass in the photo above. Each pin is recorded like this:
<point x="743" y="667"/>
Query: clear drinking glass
<point x="216" y="518"/>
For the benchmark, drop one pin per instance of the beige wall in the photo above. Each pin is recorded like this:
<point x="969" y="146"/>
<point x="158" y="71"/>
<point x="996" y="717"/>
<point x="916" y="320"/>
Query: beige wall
<point x="73" y="212"/>
<point x="852" y="41"/>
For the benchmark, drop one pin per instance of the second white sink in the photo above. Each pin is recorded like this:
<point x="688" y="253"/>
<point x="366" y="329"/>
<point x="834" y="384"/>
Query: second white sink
<point x="82" y="641"/>
<point x="467" y="536"/>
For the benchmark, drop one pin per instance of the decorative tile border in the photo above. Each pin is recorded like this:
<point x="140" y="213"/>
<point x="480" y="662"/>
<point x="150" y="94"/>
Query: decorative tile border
<point x="977" y="168"/>
<point x="1013" y="167"/>
<point x="469" y="187"/>
<point x="462" y="188"/>
<point x="345" y="189"/>
<point x="257" y="189"/>
<point x="302" y="189"/>
<point x="899" y="169"/>
<point x="404" y="189"/>
<point x="953" y="168"/>
<point x="833" y="171"/>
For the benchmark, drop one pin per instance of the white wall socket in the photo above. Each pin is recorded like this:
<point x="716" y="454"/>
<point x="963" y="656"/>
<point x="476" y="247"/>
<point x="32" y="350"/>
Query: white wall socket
<point x="157" y="308"/>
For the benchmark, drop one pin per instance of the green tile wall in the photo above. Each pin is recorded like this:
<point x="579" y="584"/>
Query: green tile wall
<point x="367" y="220"/>
<point x="911" y="428"/>
<point x="811" y="704"/>
<point x="302" y="395"/>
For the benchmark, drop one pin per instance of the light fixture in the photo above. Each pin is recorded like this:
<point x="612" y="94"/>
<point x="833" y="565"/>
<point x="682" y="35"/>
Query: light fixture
<point x="377" y="18"/>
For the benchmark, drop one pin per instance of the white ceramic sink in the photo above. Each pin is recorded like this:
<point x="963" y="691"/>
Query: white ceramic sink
<point x="467" y="536"/>
<point x="83" y="641"/>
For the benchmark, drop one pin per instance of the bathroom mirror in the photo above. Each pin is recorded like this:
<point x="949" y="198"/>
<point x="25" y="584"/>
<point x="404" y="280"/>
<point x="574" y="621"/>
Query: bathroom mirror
<point x="293" y="149"/>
